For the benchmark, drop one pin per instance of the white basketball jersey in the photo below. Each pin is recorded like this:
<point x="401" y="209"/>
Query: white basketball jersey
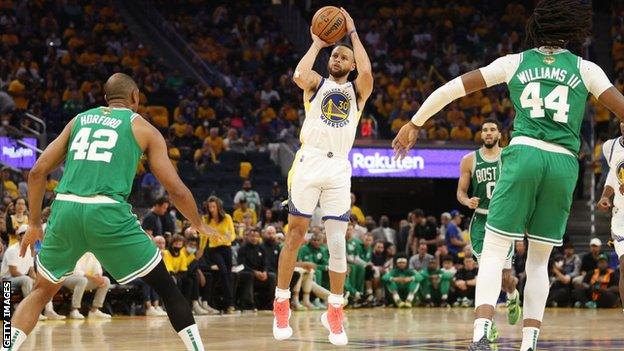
<point x="613" y="152"/>
<point x="332" y="117"/>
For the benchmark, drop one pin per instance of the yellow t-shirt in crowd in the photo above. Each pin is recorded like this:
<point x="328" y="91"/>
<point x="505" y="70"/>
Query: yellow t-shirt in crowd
<point x="225" y="229"/>
<point x="357" y="212"/>
<point x="175" y="264"/>
<point x="239" y="215"/>
<point x="11" y="189"/>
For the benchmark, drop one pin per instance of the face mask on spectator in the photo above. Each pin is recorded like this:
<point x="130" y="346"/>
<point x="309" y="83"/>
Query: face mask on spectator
<point x="191" y="250"/>
<point x="175" y="250"/>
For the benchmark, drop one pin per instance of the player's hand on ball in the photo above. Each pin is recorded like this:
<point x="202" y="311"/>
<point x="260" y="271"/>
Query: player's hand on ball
<point x="405" y="139"/>
<point x="34" y="233"/>
<point x="604" y="204"/>
<point x="473" y="203"/>
<point x="318" y="41"/>
<point x="350" y="24"/>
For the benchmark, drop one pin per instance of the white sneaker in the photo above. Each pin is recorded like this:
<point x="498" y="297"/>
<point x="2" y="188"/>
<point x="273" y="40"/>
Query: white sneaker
<point x="160" y="311"/>
<point x="75" y="314"/>
<point x="53" y="315"/>
<point x="152" y="312"/>
<point x="337" y="334"/>
<point x="204" y="305"/>
<point x="42" y="317"/>
<point x="198" y="311"/>
<point x="98" y="315"/>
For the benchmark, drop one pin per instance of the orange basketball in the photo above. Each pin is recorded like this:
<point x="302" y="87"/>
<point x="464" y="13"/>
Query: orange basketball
<point x="329" y="24"/>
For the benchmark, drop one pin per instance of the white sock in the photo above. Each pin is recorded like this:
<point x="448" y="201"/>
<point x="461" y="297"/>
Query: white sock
<point x="410" y="297"/>
<point x="335" y="300"/>
<point x="513" y="295"/>
<point x="17" y="339"/>
<point x="191" y="338"/>
<point x="482" y="328"/>
<point x="282" y="294"/>
<point x="396" y="298"/>
<point x="529" y="338"/>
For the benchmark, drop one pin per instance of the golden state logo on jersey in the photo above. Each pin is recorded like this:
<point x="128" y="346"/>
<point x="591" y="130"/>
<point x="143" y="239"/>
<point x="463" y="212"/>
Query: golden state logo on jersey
<point x="620" y="172"/>
<point x="335" y="108"/>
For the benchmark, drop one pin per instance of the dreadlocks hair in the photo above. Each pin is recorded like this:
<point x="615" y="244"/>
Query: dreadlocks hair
<point x="559" y="23"/>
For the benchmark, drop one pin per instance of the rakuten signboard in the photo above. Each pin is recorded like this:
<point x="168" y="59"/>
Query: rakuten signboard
<point x="419" y="163"/>
<point x="16" y="155"/>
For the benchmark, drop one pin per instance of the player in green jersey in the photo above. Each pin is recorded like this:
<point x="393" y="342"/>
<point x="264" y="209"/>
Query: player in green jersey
<point x="479" y="171"/>
<point x="101" y="149"/>
<point x="548" y="86"/>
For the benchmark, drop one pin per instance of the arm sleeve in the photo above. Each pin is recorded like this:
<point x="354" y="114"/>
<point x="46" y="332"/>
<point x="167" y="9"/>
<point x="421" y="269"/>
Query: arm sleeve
<point x="501" y="69"/>
<point x="594" y="77"/>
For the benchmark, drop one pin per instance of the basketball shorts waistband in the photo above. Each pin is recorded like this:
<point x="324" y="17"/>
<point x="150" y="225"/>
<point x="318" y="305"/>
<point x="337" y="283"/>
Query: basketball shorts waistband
<point x="97" y="199"/>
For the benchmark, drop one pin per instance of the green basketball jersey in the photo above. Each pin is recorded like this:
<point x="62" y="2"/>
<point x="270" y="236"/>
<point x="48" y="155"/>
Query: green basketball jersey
<point x="485" y="173"/>
<point x="102" y="154"/>
<point x="549" y="97"/>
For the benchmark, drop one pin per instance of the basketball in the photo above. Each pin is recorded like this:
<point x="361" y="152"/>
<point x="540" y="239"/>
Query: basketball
<point x="329" y="24"/>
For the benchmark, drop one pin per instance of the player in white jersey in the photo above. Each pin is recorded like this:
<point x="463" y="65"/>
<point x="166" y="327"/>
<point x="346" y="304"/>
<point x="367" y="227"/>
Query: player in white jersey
<point x="321" y="172"/>
<point x="613" y="151"/>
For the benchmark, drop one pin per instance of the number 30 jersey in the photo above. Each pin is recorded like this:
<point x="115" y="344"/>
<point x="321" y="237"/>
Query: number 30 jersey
<point x="485" y="173"/>
<point x="548" y="88"/>
<point x="331" y="118"/>
<point x="102" y="154"/>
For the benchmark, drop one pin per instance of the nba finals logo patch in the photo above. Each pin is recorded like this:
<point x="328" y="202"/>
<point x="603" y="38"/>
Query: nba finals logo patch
<point x="335" y="108"/>
<point x="549" y="60"/>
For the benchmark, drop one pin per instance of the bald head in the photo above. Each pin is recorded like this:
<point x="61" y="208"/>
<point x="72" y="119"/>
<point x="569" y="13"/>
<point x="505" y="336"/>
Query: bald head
<point x="120" y="86"/>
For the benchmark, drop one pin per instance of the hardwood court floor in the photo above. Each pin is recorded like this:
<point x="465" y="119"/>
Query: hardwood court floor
<point x="383" y="328"/>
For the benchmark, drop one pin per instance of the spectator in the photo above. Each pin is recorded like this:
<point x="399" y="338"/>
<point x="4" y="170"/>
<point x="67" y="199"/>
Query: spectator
<point x="277" y="197"/>
<point x="563" y="270"/>
<point x="10" y="188"/>
<point x="453" y="237"/>
<point x="219" y="248"/>
<point x="255" y="259"/>
<point x="252" y="197"/>
<point x="271" y="247"/>
<point x="216" y="142"/>
<point x="152" y="223"/>
<point x="22" y="185"/>
<point x="205" y="157"/>
<point x="384" y="232"/>
<point x="357" y="266"/>
<point x="589" y="262"/>
<point x="87" y="276"/>
<point x="460" y="131"/>
<point x="151" y="187"/>
<point x="599" y="287"/>
<point x="420" y="229"/>
<point x="317" y="253"/>
<point x="445" y="219"/>
<point x="233" y="142"/>
<point x="243" y="210"/>
<point x="402" y="283"/>
<point x="465" y="283"/>
<point x="20" y="271"/>
<point x="268" y="218"/>
<point x="421" y="259"/>
<point x="192" y="251"/>
<point x="312" y="261"/>
<point x="356" y="211"/>
<point x="19" y="218"/>
<point x="436" y="285"/>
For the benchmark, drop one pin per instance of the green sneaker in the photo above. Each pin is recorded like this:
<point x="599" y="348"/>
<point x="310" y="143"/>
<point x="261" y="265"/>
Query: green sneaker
<point x="590" y="304"/>
<point x="401" y="304"/>
<point x="493" y="333"/>
<point x="514" y="310"/>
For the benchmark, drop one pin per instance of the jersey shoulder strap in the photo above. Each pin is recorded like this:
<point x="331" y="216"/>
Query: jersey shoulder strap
<point x="475" y="159"/>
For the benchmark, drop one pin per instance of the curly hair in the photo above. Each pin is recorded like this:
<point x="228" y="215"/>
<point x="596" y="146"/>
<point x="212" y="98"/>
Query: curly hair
<point x="559" y="23"/>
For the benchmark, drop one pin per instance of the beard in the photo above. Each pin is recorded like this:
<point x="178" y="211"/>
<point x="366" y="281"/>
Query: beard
<point x="491" y="144"/>
<point x="337" y="73"/>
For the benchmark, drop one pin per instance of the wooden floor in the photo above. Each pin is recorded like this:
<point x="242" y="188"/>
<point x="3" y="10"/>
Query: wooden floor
<point x="416" y="329"/>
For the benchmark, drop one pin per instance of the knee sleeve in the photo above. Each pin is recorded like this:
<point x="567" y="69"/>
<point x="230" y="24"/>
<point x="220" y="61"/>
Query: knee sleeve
<point x="336" y="244"/>
<point x="537" y="284"/>
<point x="495" y="249"/>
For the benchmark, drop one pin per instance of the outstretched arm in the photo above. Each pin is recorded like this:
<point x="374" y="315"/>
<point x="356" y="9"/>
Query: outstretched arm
<point x="364" y="80"/>
<point x="49" y="160"/>
<point x="465" y="169"/>
<point x="305" y="77"/>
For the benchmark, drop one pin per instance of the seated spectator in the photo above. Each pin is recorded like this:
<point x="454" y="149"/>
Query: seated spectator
<point x="402" y="282"/>
<point x="243" y="210"/>
<point x="421" y="260"/>
<point x="255" y="260"/>
<point x="252" y="196"/>
<point x="192" y="251"/>
<point x="356" y="211"/>
<point x="20" y="271"/>
<point x="233" y="142"/>
<point x="150" y="297"/>
<point x="216" y="141"/>
<point x="564" y="270"/>
<point x="465" y="283"/>
<point x="205" y="157"/>
<point x="436" y="285"/>
<point x="152" y="223"/>
<point x="448" y="265"/>
<point x="9" y="186"/>
<point x="453" y="235"/>
<point x="151" y="188"/>
<point x="399" y="122"/>
<point x="599" y="287"/>
<point x="19" y="218"/>
<point x="87" y="276"/>
<point x="378" y="260"/>
<point x="589" y="261"/>
<point x="357" y="266"/>
<point x="312" y="263"/>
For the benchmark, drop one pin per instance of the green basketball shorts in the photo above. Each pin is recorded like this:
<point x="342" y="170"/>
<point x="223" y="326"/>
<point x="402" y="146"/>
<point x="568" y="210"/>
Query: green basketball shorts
<point x="101" y="225"/>
<point x="534" y="193"/>
<point x="477" y="235"/>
